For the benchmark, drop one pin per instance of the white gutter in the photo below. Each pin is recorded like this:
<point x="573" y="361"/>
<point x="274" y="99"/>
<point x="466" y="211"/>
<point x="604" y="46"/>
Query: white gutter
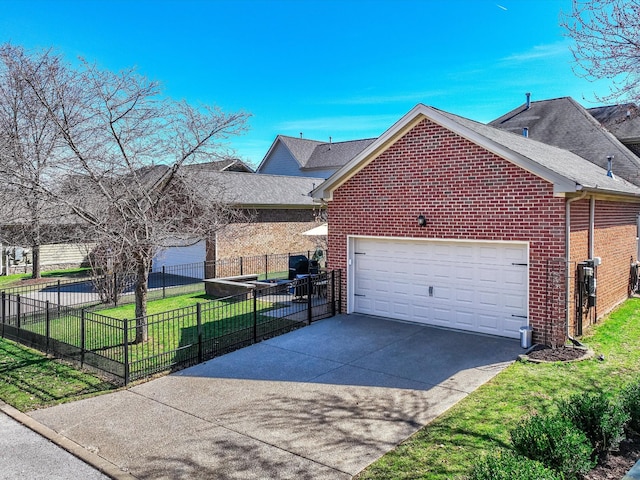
<point x="567" y="246"/>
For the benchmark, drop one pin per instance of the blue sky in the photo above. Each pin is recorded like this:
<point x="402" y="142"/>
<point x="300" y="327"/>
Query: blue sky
<point x="346" y="69"/>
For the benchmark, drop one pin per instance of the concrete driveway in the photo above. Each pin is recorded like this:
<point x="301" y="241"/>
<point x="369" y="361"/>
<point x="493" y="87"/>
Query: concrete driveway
<point x="321" y="402"/>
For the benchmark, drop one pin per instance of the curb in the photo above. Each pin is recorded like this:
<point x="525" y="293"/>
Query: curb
<point x="95" y="461"/>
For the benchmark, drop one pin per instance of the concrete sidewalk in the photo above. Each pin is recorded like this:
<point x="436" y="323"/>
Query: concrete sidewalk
<point x="321" y="402"/>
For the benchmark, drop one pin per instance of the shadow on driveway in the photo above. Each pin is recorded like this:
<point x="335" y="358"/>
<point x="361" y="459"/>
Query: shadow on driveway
<point x="320" y="402"/>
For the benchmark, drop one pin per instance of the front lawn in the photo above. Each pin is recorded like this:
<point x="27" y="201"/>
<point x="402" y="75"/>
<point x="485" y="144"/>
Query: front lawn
<point x="16" y="279"/>
<point x="481" y="422"/>
<point x="172" y="325"/>
<point x="30" y="379"/>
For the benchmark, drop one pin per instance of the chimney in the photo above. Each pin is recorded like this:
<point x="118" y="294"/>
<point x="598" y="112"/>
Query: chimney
<point x="609" y="166"/>
<point x="528" y="95"/>
<point x="525" y="132"/>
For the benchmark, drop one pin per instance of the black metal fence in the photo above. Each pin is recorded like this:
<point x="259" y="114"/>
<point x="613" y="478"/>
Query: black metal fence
<point x="163" y="281"/>
<point x="175" y="339"/>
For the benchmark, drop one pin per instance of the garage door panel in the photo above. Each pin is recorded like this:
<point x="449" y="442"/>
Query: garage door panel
<point x="475" y="286"/>
<point x="465" y="296"/>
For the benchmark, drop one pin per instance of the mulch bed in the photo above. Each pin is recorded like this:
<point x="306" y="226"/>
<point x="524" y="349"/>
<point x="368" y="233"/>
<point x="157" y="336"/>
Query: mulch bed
<point x="543" y="353"/>
<point x="616" y="464"/>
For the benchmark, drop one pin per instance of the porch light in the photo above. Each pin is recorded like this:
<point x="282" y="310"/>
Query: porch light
<point x="422" y="221"/>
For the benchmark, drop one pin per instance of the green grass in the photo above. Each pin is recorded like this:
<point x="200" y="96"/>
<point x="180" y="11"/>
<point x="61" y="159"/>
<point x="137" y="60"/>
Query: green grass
<point x="481" y="422"/>
<point x="157" y="306"/>
<point x="172" y="328"/>
<point x="15" y="279"/>
<point x="30" y="380"/>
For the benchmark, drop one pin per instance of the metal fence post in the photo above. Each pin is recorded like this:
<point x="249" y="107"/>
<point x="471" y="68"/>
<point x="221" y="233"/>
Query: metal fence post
<point x="18" y="312"/>
<point x="266" y="266"/>
<point x="255" y="317"/>
<point x="164" y="283"/>
<point x="204" y="270"/>
<point x="3" y="299"/>
<point x="125" y="352"/>
<point x="339" y="291"/>
<point x="59" y="294"/>
<point x="47" y="325"/>
<point x="309" y="303"/>
<point x="333" y="293"/>
<point x="82" y="336"/>
<point x="199" y="327"/>
<point x="241" y="271"/>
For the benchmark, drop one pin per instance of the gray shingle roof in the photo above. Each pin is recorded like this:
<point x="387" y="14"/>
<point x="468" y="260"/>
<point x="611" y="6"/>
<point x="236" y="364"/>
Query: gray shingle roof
<point x="557" y="160"/>
<point x="312" y="154"/>
<point x="564" y="123"/>
<point x="228" y="165"/>
<point x="254" y="190"/>
<point x="300" y="148"/>
<point x="621" y="120"/>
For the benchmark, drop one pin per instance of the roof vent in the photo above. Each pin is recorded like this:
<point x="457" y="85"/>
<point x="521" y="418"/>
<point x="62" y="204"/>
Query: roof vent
<point x="525" y="132"/>
<point x="329" y="143"/>
<point x="528" y="100"/>
<point x="300" y="134"/>
<point x="609" y="169"/>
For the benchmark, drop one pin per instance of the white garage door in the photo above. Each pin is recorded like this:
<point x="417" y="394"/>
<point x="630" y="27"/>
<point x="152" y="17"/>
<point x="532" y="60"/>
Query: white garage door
<point x="173" y="256"/>
<point x="476" y="286"/>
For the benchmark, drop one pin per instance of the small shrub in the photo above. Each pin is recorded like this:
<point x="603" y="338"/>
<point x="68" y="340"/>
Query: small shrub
<point x="601" y="419"/>
<point x="506" y="465"/>
<point x="555" y="442"/>
<point x="630" y="399"/>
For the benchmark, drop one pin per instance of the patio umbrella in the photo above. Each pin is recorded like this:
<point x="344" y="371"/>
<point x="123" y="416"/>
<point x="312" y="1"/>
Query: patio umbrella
<point x="319" y="231"/>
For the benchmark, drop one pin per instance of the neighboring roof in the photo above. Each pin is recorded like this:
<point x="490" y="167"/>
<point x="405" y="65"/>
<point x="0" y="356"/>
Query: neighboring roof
<point x="228" y="165"/>
<point x="335" y="155"/>
<point x="621" y="120"/>
<point x="564" y="123"/>
<point x="567" y="171"/>
<point x="313" y="154"/>
<point x="251" y="190"/>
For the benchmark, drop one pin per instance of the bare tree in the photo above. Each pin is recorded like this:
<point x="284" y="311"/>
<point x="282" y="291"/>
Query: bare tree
<point x="29" y="138"/>
<point x="119" y="169"/>
<point x="607" y="43"/>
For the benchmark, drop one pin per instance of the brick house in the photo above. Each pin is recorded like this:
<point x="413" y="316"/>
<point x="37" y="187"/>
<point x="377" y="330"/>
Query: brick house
<point x="449" y="222"/>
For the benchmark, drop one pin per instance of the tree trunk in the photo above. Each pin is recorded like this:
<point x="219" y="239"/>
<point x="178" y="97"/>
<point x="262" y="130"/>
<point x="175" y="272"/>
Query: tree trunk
<point x="142" y="281"/>
<point x="35" y="261"/>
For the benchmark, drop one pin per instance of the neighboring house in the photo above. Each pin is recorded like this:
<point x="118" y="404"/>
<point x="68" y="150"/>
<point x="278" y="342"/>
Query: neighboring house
<point x="453" y="223"/>
<point x="623" y="121"/>
<point x="564" y="123"/>
<point x="309" y="158"/>
<point x="276" y="210"/>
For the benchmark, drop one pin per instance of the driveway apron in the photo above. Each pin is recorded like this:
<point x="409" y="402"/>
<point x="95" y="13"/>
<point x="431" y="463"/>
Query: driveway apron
<point x="323" y="401"/>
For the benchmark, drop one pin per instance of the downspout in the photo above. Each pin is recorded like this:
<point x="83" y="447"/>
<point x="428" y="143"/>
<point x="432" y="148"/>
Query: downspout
<point x="567" y="247"/>
<point x="592" y="221"/>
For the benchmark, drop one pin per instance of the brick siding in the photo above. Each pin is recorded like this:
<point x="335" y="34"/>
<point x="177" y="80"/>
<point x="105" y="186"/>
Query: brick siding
<point x="465" y="192"/>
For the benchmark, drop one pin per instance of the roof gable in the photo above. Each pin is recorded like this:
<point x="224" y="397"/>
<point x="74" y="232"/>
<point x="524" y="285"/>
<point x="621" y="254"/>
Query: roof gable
<point x="565" y="170"/>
